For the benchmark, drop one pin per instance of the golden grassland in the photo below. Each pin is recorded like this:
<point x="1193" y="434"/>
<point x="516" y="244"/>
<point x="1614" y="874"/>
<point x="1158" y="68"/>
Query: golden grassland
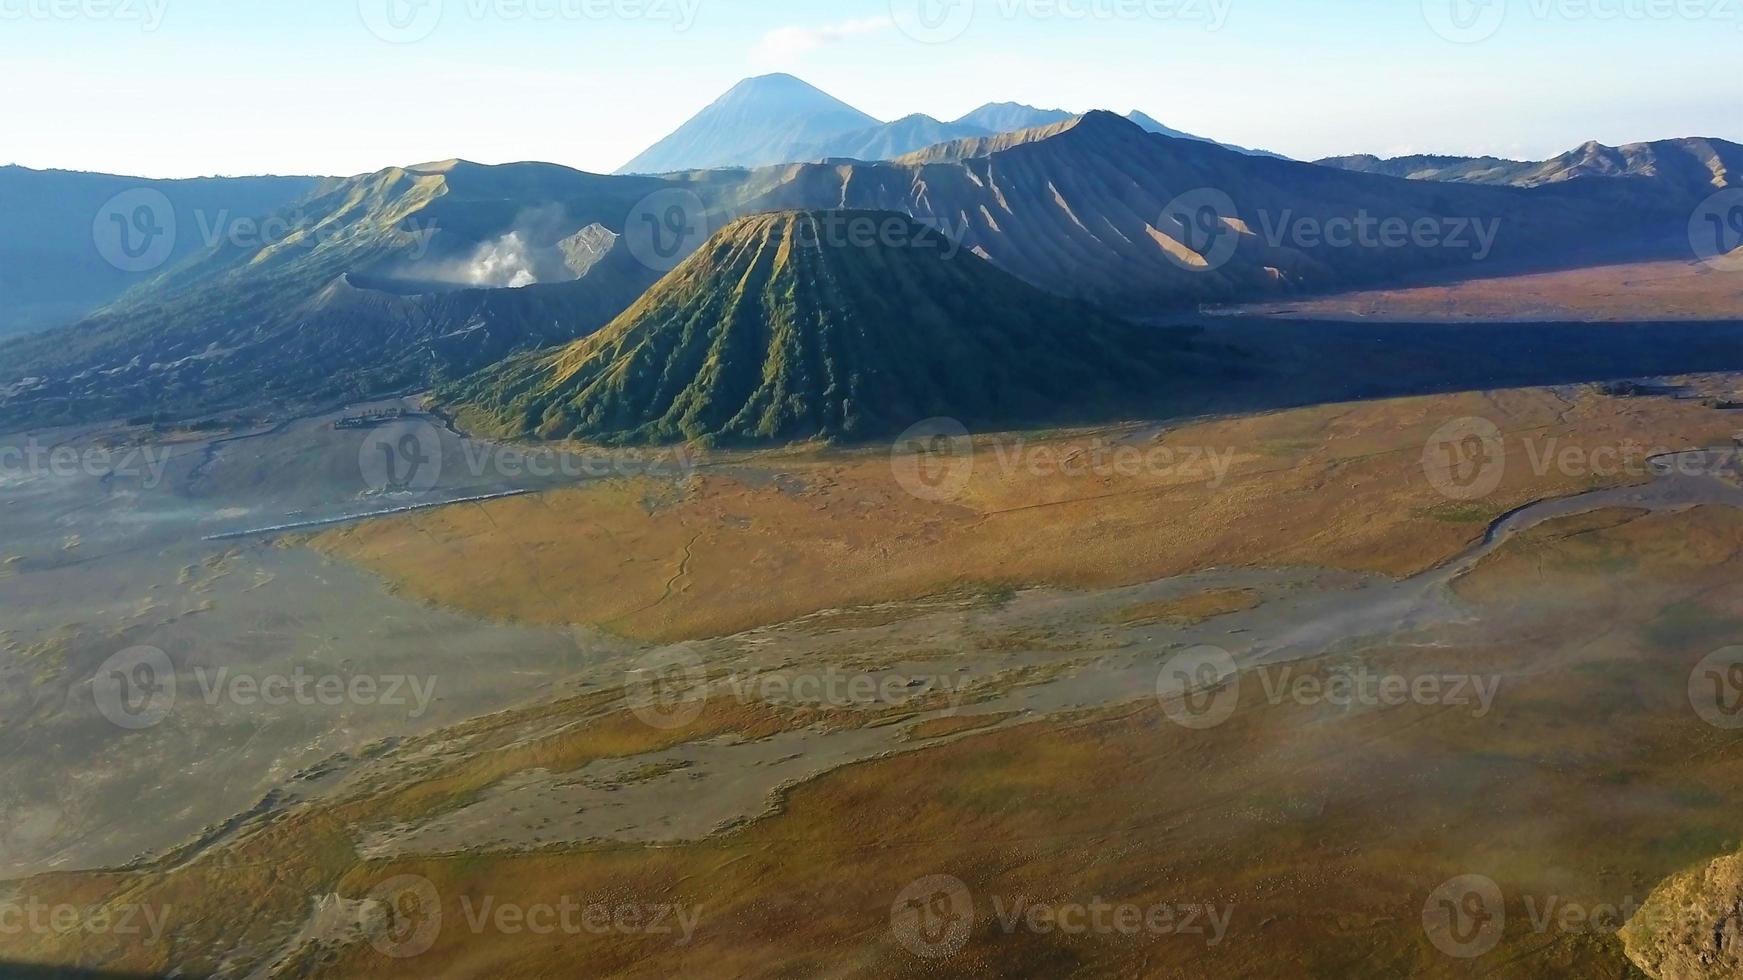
<point x="1324" y="828"/>
<point x="1338" y="486"/>
<point x="1649" y="291"/>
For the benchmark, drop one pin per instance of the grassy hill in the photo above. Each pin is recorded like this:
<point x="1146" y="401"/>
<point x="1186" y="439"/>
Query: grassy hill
<point x="781" y="329"/>
<point x="382" y="283"/>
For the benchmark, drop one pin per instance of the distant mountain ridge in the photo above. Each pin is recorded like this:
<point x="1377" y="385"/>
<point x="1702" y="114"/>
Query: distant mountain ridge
<point x="51" y="268"/>
<point x="775" y="119"/>
<point x="1691" y="162"/>
<point x="1150" y="125"/>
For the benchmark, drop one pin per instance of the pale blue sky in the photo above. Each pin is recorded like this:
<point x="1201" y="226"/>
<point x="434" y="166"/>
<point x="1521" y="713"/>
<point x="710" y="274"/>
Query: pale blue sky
<point x="251" y="86"/>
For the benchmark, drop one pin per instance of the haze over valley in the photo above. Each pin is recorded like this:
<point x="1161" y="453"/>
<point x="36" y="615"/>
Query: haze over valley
<point x="856" y="542"/>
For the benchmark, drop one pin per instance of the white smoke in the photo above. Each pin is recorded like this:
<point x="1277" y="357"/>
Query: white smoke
<point x="504" y="263"/>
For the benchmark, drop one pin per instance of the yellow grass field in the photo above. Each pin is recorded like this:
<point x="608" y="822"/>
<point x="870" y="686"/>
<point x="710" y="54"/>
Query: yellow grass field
<point x="1339" y="486"/>
<point x="1315" y="833"/>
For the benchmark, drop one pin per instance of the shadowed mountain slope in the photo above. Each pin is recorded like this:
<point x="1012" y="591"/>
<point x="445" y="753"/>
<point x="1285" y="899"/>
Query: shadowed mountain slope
<point x="1097" y="208"/>
<point x="52" y="270"/>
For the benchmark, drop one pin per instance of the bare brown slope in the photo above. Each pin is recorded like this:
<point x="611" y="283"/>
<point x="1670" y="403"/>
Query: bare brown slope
<point x="1098" y="208"/>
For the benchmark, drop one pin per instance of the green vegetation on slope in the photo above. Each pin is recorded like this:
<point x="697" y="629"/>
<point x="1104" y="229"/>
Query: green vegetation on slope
<point x="793" y="326"/>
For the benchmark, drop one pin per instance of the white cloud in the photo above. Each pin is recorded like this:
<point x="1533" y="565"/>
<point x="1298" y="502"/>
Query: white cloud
<point x="786" y="44"/>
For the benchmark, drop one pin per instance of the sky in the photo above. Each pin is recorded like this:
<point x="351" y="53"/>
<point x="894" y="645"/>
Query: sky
<point x="175" y="88"/>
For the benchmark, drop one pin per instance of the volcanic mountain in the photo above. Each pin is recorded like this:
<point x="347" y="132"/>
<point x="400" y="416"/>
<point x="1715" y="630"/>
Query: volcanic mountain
<point x="764" y="120"/>
<point x="835" y="325"/>
<point x="779" y="119"/>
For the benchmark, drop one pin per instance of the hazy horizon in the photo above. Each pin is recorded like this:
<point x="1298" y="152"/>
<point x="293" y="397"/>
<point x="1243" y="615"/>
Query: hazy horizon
<point x="358" y="86"/>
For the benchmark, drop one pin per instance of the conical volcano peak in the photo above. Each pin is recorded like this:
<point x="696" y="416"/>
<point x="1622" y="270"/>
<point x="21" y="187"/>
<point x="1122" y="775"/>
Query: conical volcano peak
<point x="834" y="325"/>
